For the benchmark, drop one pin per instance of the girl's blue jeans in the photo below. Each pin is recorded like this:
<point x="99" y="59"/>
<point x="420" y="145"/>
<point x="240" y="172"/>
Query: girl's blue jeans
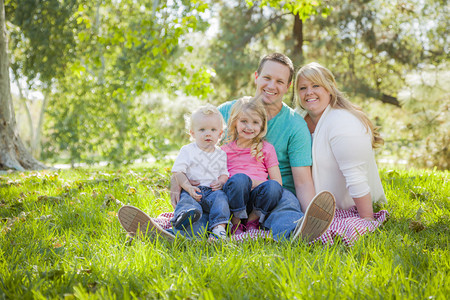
<point x="243" y="200"/>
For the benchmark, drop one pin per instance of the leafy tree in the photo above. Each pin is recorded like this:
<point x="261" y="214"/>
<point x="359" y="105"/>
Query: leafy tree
<point x="13" y="153"/>
<point x="250" y="29"/>
<point x="118" y="50"/>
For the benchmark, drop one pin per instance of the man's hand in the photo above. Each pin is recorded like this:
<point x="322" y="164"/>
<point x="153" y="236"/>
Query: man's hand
<point x="195" y="193"/>
<point x="219" y="183"/>
<point x="216" y="185"/>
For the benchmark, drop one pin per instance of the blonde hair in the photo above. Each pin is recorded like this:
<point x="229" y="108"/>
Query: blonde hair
<point x="318" y="74"/>
<point x="243" y="105"/>
<point x="204" y="110"/>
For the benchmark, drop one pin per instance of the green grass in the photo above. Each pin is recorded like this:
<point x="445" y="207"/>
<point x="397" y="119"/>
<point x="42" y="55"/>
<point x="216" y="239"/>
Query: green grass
<point x="60" y="238"/>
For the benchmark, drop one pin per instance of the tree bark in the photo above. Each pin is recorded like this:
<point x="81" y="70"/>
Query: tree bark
<point x="13" y="154"/>
<point x="297" y="33"/>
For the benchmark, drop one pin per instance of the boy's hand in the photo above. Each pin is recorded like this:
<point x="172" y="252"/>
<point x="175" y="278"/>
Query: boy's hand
<point x="195" y="193"/>
<point x="216" y="185"/>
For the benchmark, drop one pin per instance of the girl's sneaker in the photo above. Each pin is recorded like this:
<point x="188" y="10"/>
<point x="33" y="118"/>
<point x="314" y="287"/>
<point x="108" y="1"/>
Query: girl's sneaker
<point x="237" y="229"/>
<point x="252" y="225"/>
<point x="219" y="232"/>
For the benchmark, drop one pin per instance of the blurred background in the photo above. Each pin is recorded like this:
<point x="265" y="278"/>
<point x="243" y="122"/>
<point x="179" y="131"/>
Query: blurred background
<point x="110" y="81"/>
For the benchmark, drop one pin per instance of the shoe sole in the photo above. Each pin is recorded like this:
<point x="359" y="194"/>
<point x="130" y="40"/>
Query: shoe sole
<point x="317" y="218"/>
<point x="136" y="222"/>
<point x="189" y="217"/>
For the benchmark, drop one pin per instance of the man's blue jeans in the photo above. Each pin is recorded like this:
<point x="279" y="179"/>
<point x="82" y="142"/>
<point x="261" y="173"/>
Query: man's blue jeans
<point x="243" y="200"/>
<point x="213" y="206"/>
<point x="282" y="220"/>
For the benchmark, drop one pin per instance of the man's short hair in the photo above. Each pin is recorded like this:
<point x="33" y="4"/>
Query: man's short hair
<point x="280" y="58"/>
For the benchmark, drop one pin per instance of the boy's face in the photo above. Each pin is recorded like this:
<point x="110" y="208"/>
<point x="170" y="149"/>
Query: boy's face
<point x="206" y="130"/>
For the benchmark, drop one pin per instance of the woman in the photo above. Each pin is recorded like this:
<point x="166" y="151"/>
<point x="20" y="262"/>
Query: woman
<point x="342" y="152"/>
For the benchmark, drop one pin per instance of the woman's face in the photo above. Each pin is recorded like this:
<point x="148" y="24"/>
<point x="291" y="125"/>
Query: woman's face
<point x="313" y="97"/>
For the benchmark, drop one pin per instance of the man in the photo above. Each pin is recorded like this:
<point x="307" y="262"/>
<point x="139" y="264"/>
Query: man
<point x="288" y="133"/>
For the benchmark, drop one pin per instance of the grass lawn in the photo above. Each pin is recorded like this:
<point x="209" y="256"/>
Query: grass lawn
<point x="60" y="238"/>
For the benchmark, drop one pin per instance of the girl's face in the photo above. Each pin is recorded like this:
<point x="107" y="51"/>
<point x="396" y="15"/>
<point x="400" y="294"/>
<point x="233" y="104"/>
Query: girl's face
<point x="248" y="126"/>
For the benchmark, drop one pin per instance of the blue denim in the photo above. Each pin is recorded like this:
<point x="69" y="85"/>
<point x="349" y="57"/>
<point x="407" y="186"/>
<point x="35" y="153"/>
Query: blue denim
<point x="213" y="206"/>
<point x="282" y="219"/>
<point x="243" y="200"/>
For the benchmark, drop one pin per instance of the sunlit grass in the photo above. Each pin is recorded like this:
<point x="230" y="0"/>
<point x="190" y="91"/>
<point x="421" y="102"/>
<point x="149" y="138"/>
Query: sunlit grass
<point x="60" y="238"/>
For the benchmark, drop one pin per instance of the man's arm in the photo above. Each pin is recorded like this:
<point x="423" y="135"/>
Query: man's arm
<point x="304" y="186"/>
<point x="175" y="191"/>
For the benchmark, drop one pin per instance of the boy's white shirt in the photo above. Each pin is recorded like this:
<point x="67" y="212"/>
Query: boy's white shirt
<point x="343" y="159"/>
<point x="199" y="165"/>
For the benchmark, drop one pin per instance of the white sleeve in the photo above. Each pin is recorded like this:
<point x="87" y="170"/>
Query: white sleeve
<point x="224" y="165"/>
<point x="182" y="161"/>
<point x="352" y="149"/>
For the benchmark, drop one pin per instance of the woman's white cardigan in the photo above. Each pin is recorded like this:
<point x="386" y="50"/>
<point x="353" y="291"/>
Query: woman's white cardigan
<point x="343" y="159"/>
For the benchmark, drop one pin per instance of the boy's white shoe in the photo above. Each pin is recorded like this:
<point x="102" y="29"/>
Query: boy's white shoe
<point x="317" y="218"/>
<point x="219" y="232"/>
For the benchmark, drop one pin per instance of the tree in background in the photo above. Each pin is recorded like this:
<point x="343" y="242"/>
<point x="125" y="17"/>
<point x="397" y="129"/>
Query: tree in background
<point x="371" y="47"/>
<point x="13" y="154"/>
<point x="109" y="53"/>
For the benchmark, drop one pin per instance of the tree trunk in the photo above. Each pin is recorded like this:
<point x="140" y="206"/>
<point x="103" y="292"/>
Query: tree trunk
<point x="13" y="154"/>
<point x="297" y="50"/>
<point x="297" y="33"/>
<point x="27" y="110"/>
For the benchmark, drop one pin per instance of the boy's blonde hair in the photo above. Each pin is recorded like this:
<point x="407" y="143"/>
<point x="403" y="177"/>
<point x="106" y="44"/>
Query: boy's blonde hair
<point x="253" y="104"/>
<point x="318" y="74"/>
<point x="205" y="110"/>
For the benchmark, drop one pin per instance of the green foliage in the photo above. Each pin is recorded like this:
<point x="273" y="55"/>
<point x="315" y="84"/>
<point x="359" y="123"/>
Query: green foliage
<point x="304" y="8"/>
<point x="372" y="47"/>
<point x="41" y="37"/>
<point x="115" y="52"/>
<point x="60" y="238"/>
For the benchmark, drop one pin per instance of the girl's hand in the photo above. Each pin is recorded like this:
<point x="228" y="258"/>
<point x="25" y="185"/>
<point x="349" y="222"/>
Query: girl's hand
<point x="255" y="183"/>
<point x="195" y="193"/>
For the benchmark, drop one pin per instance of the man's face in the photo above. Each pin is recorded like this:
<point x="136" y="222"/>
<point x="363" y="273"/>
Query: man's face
<point x="272" y="83"/>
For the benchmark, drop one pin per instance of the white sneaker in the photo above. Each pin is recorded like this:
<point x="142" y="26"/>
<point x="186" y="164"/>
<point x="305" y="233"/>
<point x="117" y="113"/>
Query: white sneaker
<point x="317" y="218"/>
<point x="219" y="232"/>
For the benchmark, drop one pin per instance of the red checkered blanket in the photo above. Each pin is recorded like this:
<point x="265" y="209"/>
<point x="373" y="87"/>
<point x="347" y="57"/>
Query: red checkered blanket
<point x="346" y="225"/>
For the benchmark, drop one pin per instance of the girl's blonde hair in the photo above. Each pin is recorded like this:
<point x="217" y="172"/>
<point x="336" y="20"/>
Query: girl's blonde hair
<point x="320" y="75"/>
<point x="248" y="104"/>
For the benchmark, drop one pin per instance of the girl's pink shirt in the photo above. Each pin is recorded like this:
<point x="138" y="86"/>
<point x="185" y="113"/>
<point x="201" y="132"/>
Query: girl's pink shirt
<point x="239" y="160"/>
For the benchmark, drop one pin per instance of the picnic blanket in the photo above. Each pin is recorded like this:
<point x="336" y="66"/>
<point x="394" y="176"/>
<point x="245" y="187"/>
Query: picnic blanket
<point x="346" y="226"/>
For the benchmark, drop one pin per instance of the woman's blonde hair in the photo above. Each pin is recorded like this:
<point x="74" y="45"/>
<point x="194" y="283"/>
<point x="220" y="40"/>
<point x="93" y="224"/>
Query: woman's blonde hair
<point x="320" y="75"/>
<point x="248" y="104"/>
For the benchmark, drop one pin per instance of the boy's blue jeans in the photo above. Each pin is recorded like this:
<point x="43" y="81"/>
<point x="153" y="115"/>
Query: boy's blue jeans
<point x="213" y="206"/>
<point x="243" y="200"/>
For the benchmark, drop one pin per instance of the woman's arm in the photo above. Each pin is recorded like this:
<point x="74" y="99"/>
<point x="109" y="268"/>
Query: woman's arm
<point x="364" y="207"/>
<point x="352" y="149"/>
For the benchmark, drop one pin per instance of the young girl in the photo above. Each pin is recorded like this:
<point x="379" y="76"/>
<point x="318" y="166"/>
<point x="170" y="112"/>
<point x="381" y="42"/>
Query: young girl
<point x="250" y="161"/>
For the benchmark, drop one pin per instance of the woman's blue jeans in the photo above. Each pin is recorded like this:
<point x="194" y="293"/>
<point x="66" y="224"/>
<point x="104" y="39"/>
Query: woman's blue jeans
<point x="243" y="200"/>
<point x="213" y="206"/>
